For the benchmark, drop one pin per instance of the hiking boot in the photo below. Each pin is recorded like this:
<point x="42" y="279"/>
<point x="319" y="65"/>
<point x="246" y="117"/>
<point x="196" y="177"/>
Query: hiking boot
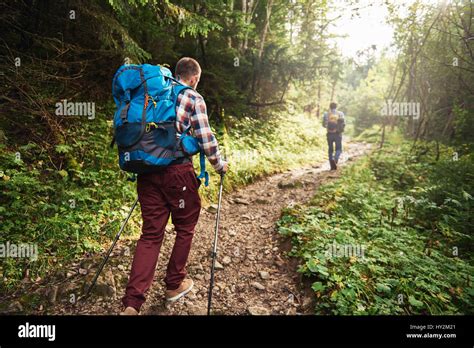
<point x="129" y="311"/>
<point x="333" y="164"/>
<point x="183" y="289"/>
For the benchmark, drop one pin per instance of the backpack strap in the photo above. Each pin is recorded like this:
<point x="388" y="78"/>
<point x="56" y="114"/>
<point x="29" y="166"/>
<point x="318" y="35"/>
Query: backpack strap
<point x="188" y="128"/>
<point x="202" y="156"/>
<point x="203" y="174"/>
<point x="124" y="112"/>
<point x="202" y="160"/>
<point x="177" y="89"/>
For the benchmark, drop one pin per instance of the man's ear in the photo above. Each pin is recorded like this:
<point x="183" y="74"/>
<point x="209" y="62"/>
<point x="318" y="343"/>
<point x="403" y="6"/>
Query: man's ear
<point x="195" y="80"/>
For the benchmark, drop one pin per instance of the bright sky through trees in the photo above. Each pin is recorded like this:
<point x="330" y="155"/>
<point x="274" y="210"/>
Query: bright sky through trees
<point x="363" y="24"/>
<point x="359" y="30"/>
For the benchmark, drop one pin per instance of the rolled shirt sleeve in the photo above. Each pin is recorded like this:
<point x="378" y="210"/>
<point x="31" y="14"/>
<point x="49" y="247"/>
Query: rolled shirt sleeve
<point x="191" y="109"/>
<point x="204" y="135"/>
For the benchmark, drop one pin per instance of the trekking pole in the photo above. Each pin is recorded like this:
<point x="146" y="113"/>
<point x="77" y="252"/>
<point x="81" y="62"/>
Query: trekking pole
<point x="104" y="261"/>
<point x="214" y="249"/>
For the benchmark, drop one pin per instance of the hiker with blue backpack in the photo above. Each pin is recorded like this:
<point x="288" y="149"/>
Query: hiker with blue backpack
<point x="159" y="124"/>
<point x="334" y="122"/>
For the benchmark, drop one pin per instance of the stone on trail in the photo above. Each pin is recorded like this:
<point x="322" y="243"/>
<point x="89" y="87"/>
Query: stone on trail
<point x="291" y="183"/>
<point x="264" y="275"/>
<point x="212" y="208"/>
<point x="197" y="268"/>
<point x="226" y="260"/>
<point x="105" y="285"/>
<point x="266" y="226"/>
<point x="239" y="200"/>
<point x="218" y="265"/>
<point x="262" y="201"/>
<point x="52" y="294"/>
<point x="66" y="289"/>
<point x="258" y="286"/>
<point x="221" y="286"/>
<point x="258" y="310"/>
<point x="197" y="310"/>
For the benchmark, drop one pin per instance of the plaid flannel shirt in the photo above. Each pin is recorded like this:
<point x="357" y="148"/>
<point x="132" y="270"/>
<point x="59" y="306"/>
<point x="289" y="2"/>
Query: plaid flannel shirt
<point x="191" y="108"/>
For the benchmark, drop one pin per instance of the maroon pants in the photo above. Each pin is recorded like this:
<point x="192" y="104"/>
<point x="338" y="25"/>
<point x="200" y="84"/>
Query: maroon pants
<point x="174" y="190"/>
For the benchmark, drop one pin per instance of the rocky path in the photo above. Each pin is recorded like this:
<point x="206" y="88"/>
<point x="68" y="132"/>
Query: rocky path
<point x="253" y="276"/>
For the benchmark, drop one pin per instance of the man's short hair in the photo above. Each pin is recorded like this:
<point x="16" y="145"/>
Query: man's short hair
<point x="186" y="68"/>
<point x="332" y="105"/>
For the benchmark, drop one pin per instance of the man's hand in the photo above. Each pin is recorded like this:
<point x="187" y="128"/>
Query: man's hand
<point x="225" y="168"/>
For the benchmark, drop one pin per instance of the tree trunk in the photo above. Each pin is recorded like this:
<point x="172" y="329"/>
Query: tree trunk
<point x="382" y="139"/>
<point x="258" y="61"/>
<point x="265" y="29"/>
<point x="333" y="90"/>
<point x="229" y="23"/>
<point x="248" y="9"/>
<point x="318" y="110"/>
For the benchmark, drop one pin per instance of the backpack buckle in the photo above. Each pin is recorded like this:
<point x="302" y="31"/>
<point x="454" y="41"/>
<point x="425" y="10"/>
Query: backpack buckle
<point x="149" y="126"/>
<point x="146" y="101"/>
<point x="152" y="100"/>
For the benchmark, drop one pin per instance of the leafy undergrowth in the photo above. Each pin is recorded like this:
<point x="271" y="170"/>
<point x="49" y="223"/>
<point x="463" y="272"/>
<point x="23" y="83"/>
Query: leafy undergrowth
<point x="71" y="200"/>
<point x="370" y="135"/>
<point x="391" y="236"/>
<point x="66" y="203"/>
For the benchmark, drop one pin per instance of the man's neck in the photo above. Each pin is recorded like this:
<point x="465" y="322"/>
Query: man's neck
<point x="184" y="82"/>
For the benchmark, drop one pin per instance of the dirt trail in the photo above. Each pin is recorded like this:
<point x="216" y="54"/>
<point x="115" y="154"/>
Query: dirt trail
<point x="254" y="275"/>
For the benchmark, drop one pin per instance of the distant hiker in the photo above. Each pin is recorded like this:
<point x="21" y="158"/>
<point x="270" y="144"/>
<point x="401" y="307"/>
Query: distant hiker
<point x="333" y="121"/>
<point x="173" y="190"/>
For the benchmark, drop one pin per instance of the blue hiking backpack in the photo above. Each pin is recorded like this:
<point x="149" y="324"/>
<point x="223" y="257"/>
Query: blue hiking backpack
<point x="145" y="120"/>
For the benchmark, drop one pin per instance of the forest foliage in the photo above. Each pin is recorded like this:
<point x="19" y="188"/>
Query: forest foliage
<point x="270" y="68"/>
<point x="61" y="186"/>
<point x="407" y="217"/>
<point x="433" y="66"/>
